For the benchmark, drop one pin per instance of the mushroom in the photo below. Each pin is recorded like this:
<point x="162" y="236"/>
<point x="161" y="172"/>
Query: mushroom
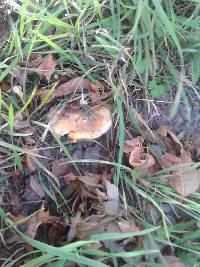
<point x="81" y="124"/>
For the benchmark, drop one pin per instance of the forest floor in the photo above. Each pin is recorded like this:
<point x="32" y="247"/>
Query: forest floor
<point x="99" y="133"/>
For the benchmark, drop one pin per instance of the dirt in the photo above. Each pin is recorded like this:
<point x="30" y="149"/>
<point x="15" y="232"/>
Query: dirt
<point x="186" y="122"/>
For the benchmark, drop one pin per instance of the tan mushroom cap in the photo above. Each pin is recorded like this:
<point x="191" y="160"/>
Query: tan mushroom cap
<point x="83" y="125"/>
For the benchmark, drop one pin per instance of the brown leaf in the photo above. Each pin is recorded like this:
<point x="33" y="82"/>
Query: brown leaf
<point x="142" y="162"/>
<point x="41" y="217"/>
<point x="185" y="183"/>
<point x="90" y="178"/>
<point x="4" y="85"/>
<point x="92" y="225"/>
<point x="112" y="205"/>
<point x="46" y="68"/>
<point x="59" y="168"/>
<point x="20" y="123"/>
<point x="129" y="145"/>
<point x="36" y="187"/>
<point x="175" y="142"/>
<point x="127" y="227"/>
<point x="30" y="165"/>
<point x="66" y="88"/>
<point x="71" y="86"/>
<point x="173" y="261"/>
<point x="97" y="92"/>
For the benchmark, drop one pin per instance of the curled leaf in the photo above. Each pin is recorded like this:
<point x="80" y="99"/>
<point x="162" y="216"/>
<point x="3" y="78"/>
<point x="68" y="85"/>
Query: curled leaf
<point x="141" y="161"/>
<point x="46" y="68"/>
<point x="184" y="181"/>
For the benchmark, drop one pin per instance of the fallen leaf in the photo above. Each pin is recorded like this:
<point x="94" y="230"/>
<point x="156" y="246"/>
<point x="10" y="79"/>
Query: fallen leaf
<point x="129" y="145"/>
<point x="36" y="186"/>
<point x="90" y="179"/>
<point x="112" y="191"/>
<point x="97" y="92"/>
<point x="4" y="85"/>
<point x="166" y="132"/>
<point x="66" y="88"/>
<point x="142" y="162"/>
<point x="183" y="181"/>
<point x="4" y="28"/>
<point x="73" y="226"/>
<point x="127" y="227"/>
<point x="112" y="205"/>
<point x="59" y="168"/>
<point x="46" y="68"/>
<point x="80" y="124"/>
<point x="18" y="91"/>
<point x="173" y="261"/>
<point x="20" y="123"/>
<point x="187" y="183"/>
<point x="71" y="86"/>
<point x="41" y="217"/>
<point x="29" y="164"/>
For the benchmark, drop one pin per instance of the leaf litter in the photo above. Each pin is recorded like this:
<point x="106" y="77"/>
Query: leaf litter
<point x="87" y="200"/>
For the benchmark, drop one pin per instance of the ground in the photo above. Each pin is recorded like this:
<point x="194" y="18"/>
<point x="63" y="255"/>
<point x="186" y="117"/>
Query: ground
<point x="99" y="128"/>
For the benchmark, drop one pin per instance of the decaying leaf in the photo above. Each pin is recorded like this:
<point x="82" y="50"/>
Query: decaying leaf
<point x="92" y="225"/>
<point x="112" y="205"/>
<point x="60" y="167"/>
<point x="71" y="86"/>
<point x="97" y="92"/>
<point x="127" y="227"/>
<point x="18" y="91"/>
<point x="166" y="132"/>
<point x="173" y="261"/>
<point x="67" y="88"/>
<point x="20" y="123"/>
<point x="141" y="161"/>
<point x="41" y="217"/>
<point x="129" y="145"/>
<point x="36" y="187"/>
<point x="46" y="68"/>
<point x="80" y="124"/>
<point x="185" y="183"/>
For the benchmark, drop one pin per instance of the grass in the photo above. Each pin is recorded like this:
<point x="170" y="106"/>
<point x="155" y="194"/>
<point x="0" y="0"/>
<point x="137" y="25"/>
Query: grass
<point x="141" y="47"/>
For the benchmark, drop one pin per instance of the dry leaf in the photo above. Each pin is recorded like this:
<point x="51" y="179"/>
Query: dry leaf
<point x="46" y="68"/>
<point x="80" y="124"/>
<point x="90" y="178"/>
<point x="29" y="163"/>
<point x="19" y="123"/>
<point x="142" y="162"/>
<point x="71" y="86"/>
<point x="126" y="227"/>
<point x="185" y="183"/>
<point x="112" y="205"/>
<point x="112" y="191"/>
<point x="173" y="261"/>
<point x="18" y="91"/>
<point x="97" y="92"/>
<point x="41" y="217"/>
<point x="129" y="145"/>
<point x="66" y="88"/>
<point x="59" y="168"/>
<point x="36" y="187"/>
<point x="92" y="225"/>
<point x="165" y="131"/>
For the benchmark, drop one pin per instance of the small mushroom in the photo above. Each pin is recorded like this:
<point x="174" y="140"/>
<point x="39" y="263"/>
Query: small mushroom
<point x="81" y="124"/>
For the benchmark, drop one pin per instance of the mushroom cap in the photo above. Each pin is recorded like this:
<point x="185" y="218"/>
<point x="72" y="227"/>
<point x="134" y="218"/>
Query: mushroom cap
<point x="81" y="124"/>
